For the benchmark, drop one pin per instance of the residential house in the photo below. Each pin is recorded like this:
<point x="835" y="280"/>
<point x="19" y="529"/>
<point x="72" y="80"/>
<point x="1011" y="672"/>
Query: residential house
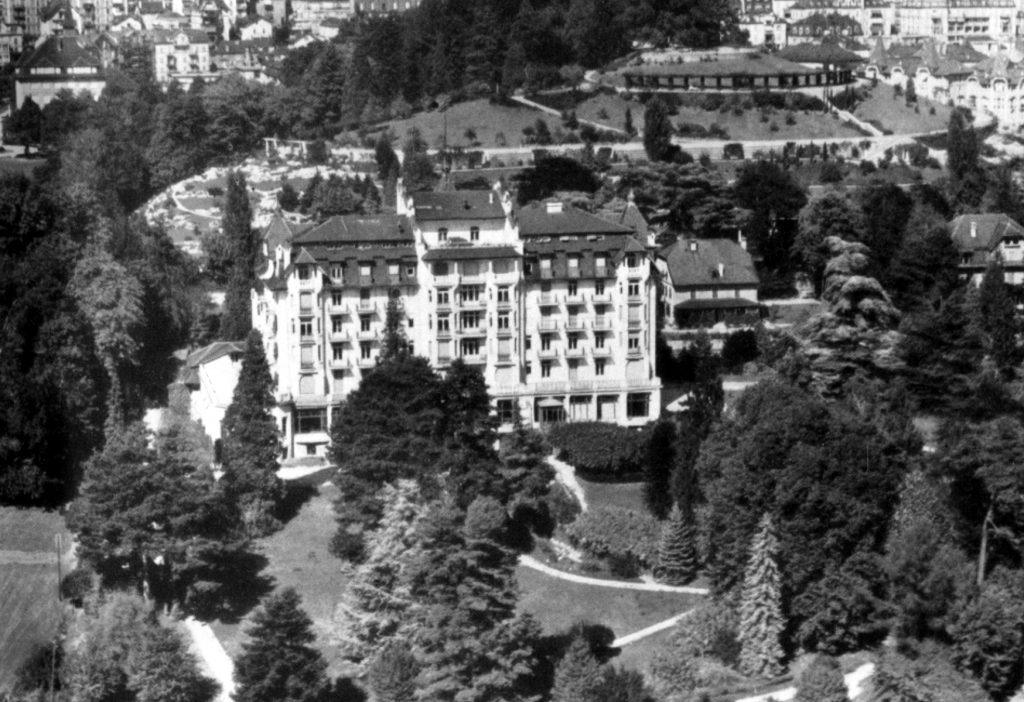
<point x="251" y="59"/>
<point x="823" y="25"/>
<point x="980" y="238"/>
<point x="705" y="282"/>
<point x="954" y="21"/>
<point x="181" y="54"/>
<point x="12" y="42"/>
<point x="555" y="306"/>
<point x="328" y="28"/>
<point x="24" y="14"/>
<point x="58" y="63"/>
<point x="254" y="28"/>
<point x="307" y="14"/>
<point x="210" y="374"/>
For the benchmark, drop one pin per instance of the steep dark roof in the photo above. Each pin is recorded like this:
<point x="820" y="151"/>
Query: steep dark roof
<point x="470" y="253"/>
<point x="720" y="303"/>
<point x="536" y="220"/>
<point x="61" y="52"/>
<point x="213" y="352"/>
<point x="697" y="262"/>
<point x="281" y="232"/>
<point x="988" y="231"/>
<point x="359" y="229"/>
<point x="459" y="204"/>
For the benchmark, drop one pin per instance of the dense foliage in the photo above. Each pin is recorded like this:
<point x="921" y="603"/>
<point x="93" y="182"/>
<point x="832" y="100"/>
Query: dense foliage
<point x="613" y="531"/>
<point x="599" y="450"/>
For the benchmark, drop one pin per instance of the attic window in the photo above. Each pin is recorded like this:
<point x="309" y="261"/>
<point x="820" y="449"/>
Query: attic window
<point x="365" y="269"/>
<point x="304" y="272"/>
<point x="442" y="234"/>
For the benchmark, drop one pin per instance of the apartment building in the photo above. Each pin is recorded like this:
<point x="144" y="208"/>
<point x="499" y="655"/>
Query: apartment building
<point x="554" y="305"/>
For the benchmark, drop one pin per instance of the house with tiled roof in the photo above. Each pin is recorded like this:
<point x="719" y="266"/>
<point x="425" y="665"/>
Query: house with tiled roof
<point x="180" y="54"/>
<point x="250" y="28"/>
<point x="706" y="282"/>
<point x="210" y="375"/>
<point x="58" y="63"/>
<point x="554" y="305"/>
<point x="823" y="25"/>
<point x="980" y="238"/>
<point x="875" y="17"/>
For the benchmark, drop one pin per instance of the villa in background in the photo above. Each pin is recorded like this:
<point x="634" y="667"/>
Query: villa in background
<point x="707" y="282"/>
<point x="58" y="63"/>
<point x="554" y="305"/>
<point x="210" y="375"/>
<point x="981" y="238"/>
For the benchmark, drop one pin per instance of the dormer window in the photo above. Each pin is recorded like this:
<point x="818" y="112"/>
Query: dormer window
<point x="393" y="269"/>
<point x="442" y="234"/>
<point x="474" y="233"/>
<point x="304" y="272"/>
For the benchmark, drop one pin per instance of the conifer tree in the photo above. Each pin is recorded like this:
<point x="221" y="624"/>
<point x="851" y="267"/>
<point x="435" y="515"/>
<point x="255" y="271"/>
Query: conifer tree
<point x="395" y="344"/>
<point x="578" y="674"/>
<point x="629" y="126"/>
<point x="657" y="131"/>
<point x="392" y="673"/>
<point x="279" y="663"/>
<point x="821" y="681"/>
<point x="998" y="317"/>
<point x="761" y="622"/>
<point x="251" y="444"/>
<point x="242" y="243"/>
<point x="660" y="460"/>
<point x="678" y="560"/>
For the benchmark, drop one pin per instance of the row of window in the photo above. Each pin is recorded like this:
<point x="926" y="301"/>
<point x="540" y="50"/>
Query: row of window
<point x="442" y="235"/>
<point x="306" y="272"/>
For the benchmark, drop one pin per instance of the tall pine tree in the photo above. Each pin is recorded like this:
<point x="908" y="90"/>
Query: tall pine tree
<point x="660" y="460"/>
<point x="761" y="622"/>
<point x="678" y="559"/>
<point x="657" y="131"/>
<point x="251" y="444"/>
<point x="578" y="675"/>
<point x="279" y="663"/>
<point x="242" y="242"/>
<point x="999" y="317"/>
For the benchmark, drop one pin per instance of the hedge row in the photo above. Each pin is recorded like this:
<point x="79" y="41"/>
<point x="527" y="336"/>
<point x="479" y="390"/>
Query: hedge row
<point x="614" y="532"/>
<point x="600" y="450"/>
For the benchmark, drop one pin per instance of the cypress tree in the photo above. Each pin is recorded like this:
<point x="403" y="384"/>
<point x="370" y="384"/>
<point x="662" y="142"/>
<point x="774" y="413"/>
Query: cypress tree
<point x="578" y="674"/>
<point x="657" y="131"/>
<point x="678" y="561"/>
<point x="629" y="126"/>
<point x="395" y="344"/>
<point x="237" y="225"/>
<point x="998" y="316"/>
<point x="761" y="622"/>
<point x="279" y="663"/>
<point x="660" y="460"/>
<point x="821" y="681"/>
<point x="251" y="444"/>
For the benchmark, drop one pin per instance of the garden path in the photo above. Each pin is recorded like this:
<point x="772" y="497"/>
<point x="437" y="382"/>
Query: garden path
<point x="216" y="660"/>
<point x="566" y="475"/>
<point x="531" y="562"/>
<point x="854" y="687"/>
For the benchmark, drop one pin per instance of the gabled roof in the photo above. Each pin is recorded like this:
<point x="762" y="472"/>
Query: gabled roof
<point x="536" y="219"/>
<point x="459" y="204"/>
<point x="821" y="23"/>
<point x="978" y="234"/>
<point x="708" y="262"/>
<point x="964" y="53"/>
<point x="281" y="232"/>
<point x="213" y="352"/>
<point x="61" y="52"/>
<point x="359" y="229"/>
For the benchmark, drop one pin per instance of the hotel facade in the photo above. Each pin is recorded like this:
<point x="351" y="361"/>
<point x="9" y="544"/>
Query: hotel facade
<point x="554" y="305"/>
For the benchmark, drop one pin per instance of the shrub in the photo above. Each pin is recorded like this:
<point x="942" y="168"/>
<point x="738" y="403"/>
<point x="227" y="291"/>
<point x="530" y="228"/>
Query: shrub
<point x="790" y="119"/>
<point x="76" y="585"/>
<point x="733" y="150"/>
<point x="718" y="131"/>
<point x="613" y="532"/>
<point x="739" y="348"/>
<point x="705" y="160"/>
<point x="868" y="167"/>
<point x="563" y="506"/>
<point x="712" y="102"/>
<point x="772" y="126"/>
<point x="624" y="565"/>
<point x="830" y="172"/>
<point x="600" y="450"/>
<point x="691" y="129"/>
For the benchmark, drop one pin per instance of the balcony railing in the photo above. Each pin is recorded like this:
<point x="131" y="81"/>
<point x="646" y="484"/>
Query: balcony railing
<point x="504" y="331"/>
<point x="340" y="335"/>
<point x="575" y="324"/>
<point x="601" y="323"/>
<point x="504" y="358"/>
<point x="340" y="363"/>
<point x="547" y="273"/>
<point x="338" y="308"/>
<point x="474" y="358"/>
<point x="367" y="306"/>
<point x="367" y="362"/>
<point x="547" y="353"/>
<point x="634" y="353"/>
<point x="548" y="325"/>
<point x="446" y="281"/>
<point x="601" y="298"/>
<point x="444" y="333"/>
<point x="367" y="335"/>
<point x="574" y="353"/>
<point x="575" y="298"/>
<point x="635" y="322"/>
<point x="547" y="300"/>
<point x="476" y="304"/>
<point x="636" y="299"/>
<point x="444" y="360"/>
<point x="601" y="351"/>
<point x="504" y="304"/>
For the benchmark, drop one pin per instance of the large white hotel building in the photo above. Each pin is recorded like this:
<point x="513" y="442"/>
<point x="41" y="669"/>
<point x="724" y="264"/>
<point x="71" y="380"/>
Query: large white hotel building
<point x="555" y="305"/>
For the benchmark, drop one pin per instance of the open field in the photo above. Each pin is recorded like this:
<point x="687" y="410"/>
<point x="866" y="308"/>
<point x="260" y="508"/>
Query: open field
<point x="558" y="604"/>
<point x="19" y="166"/>
<point x="298" y="557"/>
<point x="893" y="115"/>
<point x="30" y="529"/>
<point x="487" y="120"/>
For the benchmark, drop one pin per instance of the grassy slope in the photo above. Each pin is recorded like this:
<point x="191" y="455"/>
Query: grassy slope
<point x="894" y="115"/>
<point x="480" y="115"/>
<point x="298" y="557"/>
<point x="624" y="495"/>
<point x="29" y="611"/>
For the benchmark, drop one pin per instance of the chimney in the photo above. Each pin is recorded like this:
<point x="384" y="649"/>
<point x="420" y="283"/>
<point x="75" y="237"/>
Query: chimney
<point x="974" y="230"/>
<point x="554" y="207"/>
<point x="721" y="270"/>
<point x="693" y="245"/>
<point x="742" y="239"/>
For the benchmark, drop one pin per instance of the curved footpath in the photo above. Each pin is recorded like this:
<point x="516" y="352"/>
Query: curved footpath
<point x="531" y="562"/>
<point x="854" y="687"/>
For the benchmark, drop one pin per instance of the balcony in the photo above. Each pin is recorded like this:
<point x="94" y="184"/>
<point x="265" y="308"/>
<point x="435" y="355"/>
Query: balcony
<point x="505" y="359"/>
<point x="575" y="298"/>
<point x="367" y="306"/>
<point x="504" y="331"/>
<point x="601" y="351"/>
<point x="636" y="299"/>
<point x="444" y="333"/>
<point x="477" y="304"/>
<point x="601" y="298"/>
<point x="636" y="322"/>
<point x="446" y="281"/>
<point x="547" y="353"/>
<point x="284" y="398"/>
<point x="547" y="300"/>
<point x="337" y="308"/>
<point x="504" y="304"/>
<point x="474" y="358"/>
<point x="473" y="279"/>
<point x="548" y="325"/>
<point x="601" y="324"/>
<point x="367" y="362"/>
<point x="340" y="363"/>
<point x="444" y="360"/>
<point x="370" y="335"/>
<point x="340" y="335"/>
<point x="577" y="352"/>
<point x="572" y="272"/>
<point x="575" y="324"/>
<point x="634" y="353"/>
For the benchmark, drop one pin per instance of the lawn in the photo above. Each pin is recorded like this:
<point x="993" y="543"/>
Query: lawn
<point x="298" y="557"/>
<point x="892" y="114"/>
<point x="487" y="120"/>
<point x="29" y="610"/>
<point x="558" y="604"/>
<point x="19" y="166"/>
<point x="747" y="126"/>
<point x="624" y="495"/>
